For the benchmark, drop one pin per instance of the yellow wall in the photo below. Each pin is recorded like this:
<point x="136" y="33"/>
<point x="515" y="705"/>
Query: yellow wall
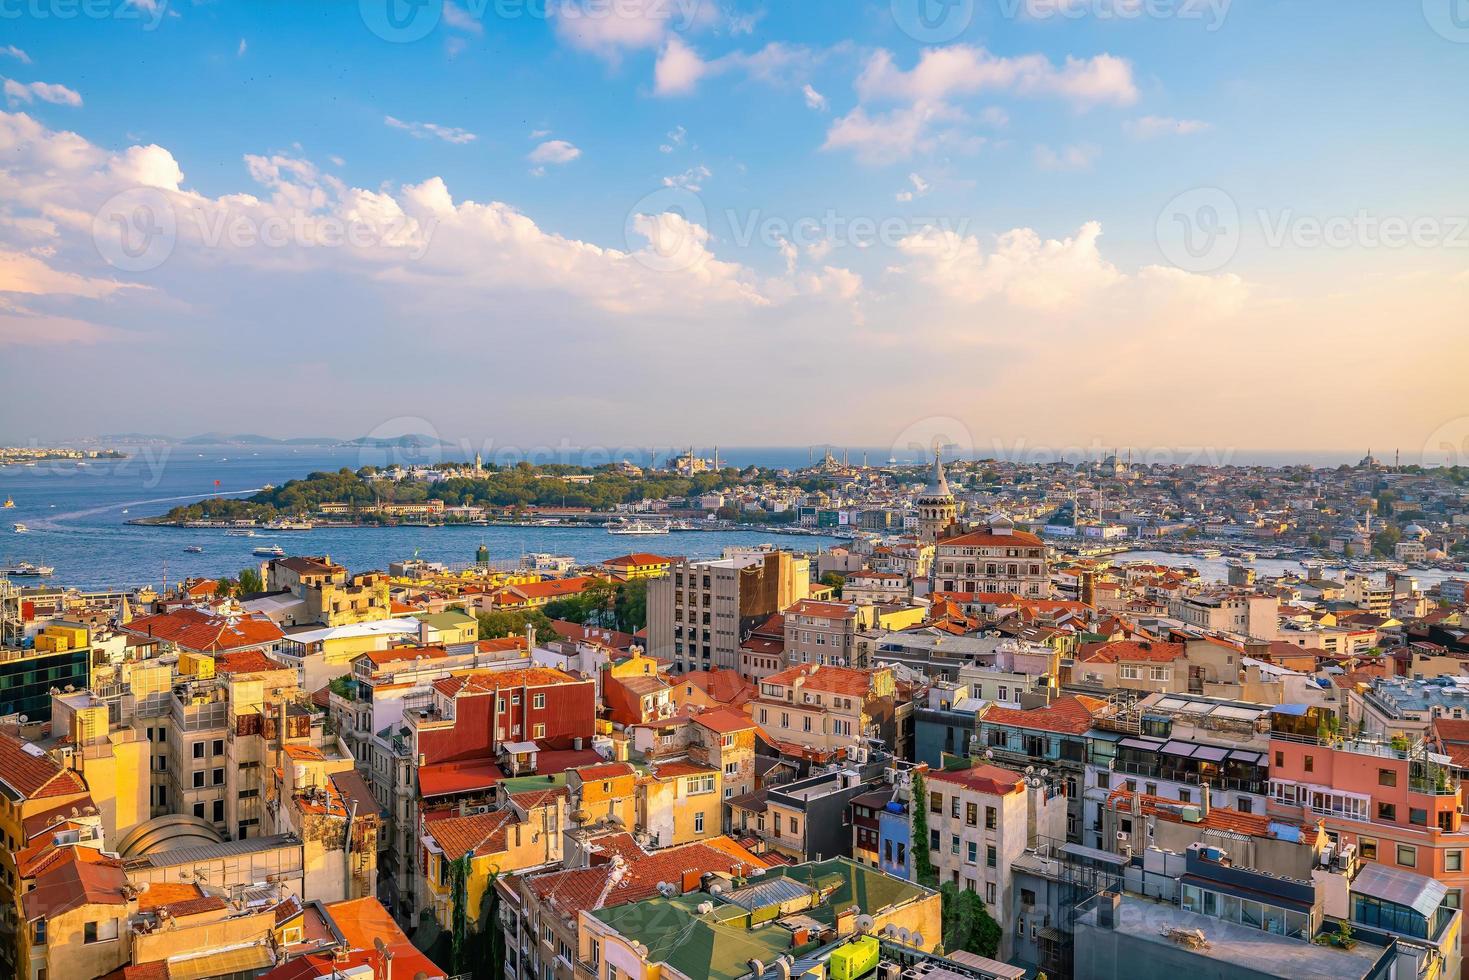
<point x="68" y="957"/>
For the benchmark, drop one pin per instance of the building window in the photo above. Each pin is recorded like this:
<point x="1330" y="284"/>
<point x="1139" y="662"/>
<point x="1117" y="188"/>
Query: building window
<point x="1367" y="847"/>
<point x="1309" y="763"/>
<point x="953" y="843"/>
<point x="217" y="777"/>
<point x="972" y="856"/>
<point x="699" y="823"/>
<point x="199" y="810"/>
<point x="991" y="818"/>
<point x="538" y="731"/>
<point x="218" y="811"/>
<point x="1407" y="856"/>
<point x="1453" y="861"/>
<point x="538" y="701"/>
<point x="935" y="802"/>
<point x="971" y="814"/>
<point x="38" y="933"/>
<point x="198" y="750"/>
<point x="933" y="840"/>
<point x="1388" y="812"/>
<point x="199" y="779"/>
<point x="1387" y="777"/>
<point x="1184" y="796"/>
<point x="954" y="807"/>
<point x="99" y="932"/>
<point x="989" y="856"/>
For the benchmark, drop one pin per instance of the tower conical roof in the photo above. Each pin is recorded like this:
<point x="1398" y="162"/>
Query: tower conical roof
<point x="938" y="484"/>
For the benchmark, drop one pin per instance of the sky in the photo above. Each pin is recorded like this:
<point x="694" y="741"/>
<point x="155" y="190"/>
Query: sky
<point x="1008" y="223"/>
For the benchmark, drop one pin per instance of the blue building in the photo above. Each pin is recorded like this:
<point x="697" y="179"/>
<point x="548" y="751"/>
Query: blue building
<point x="894" y="839"/>
<point x="944" y="724"/>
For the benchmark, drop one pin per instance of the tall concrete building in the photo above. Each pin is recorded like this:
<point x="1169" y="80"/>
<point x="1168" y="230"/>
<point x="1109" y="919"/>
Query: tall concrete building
<point x="700" y="610"/>
<point x="997" y="558"/>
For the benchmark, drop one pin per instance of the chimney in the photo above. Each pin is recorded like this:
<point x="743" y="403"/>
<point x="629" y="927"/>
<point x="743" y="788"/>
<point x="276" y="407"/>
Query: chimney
<point x="1204" y="801"/>
<point x="1109" y="910"/>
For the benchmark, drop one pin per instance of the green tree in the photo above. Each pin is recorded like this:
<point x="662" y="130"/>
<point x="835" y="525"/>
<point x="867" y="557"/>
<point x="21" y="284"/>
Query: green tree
<point x="967" y="922"/>
<point x="223" y="588"/>
<point x="249" y="581"/>
<point x="493" y="625"/>
<point x="631" y="605"/>
<point x="923" y="869"/>
<point x="835" y="582"/>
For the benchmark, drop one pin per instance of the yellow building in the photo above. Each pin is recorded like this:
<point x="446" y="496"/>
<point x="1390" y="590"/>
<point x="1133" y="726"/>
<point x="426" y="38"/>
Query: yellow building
<point x="524" y="833"/>
<point x="602" y="792"/>
<point x="113" y="763"/>
<point x="74" y="919"/>
<point x="680" y="801"/>
<point x="637" y="565"/>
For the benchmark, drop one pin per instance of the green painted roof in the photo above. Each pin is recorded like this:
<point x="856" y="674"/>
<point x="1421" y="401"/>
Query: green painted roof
<point x="449" y="619"/>
<point x="717" y="945"/>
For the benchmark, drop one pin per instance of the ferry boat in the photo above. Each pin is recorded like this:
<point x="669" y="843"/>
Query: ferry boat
<point x="19" y="528"/>
<point x="26" y="569"/>
<point x="636" y="527"/>
<point x="273" y="551"/>
<point x="1208" y="553"/>
<point x="194" y="549"/>
<point x="240" y="533"/>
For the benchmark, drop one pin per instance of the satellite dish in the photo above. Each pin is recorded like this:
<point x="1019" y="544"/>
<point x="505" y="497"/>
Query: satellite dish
<point x="864" y="923"/>
<point x="918" y="939"/>
<point x="903" y="935"/>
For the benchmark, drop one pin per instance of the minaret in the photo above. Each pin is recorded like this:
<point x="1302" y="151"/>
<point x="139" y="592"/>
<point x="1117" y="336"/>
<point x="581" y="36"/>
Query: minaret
<point x="936" y="509"/>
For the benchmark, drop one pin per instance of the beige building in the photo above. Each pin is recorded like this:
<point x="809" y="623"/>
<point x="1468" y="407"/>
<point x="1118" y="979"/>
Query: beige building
<point x="1240" y="612"/>
<point x="825" y="707"/>
<point x="997" y="558"/>
<point x="980" y="820"/>
<point x="700" y="611"/>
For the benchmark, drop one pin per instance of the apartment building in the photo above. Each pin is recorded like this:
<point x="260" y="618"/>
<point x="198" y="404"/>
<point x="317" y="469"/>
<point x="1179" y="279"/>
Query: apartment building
<point x="1229" y="611"/>
<point x="827" y="708"/>
<point x="1394" y="802"/>
<point x="701" y="611"/>
<point x="980" y="820"/>
<point x="317" y="591"/>
<point x="996" y="558"/>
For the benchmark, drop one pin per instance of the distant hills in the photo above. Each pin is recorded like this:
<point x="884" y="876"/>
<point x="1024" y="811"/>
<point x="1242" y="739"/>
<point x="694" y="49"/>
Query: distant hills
<point x="408" y="441"/>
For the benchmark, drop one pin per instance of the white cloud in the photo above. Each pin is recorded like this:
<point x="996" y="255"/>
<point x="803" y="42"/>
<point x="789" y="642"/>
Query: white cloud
<point x="461" y="19"/>
<point x="960" y="70"/>
<point x="428" y="130"/>
<point x="27" y="274"/>
<point x="920" y="188"/>
<point x="679" y="68"/>
<point x="11" y="51"/>
<point x="885" y="137"/>
<point x="554" y="151"/>
<point x="814" y="99"/>
<point x="609" y="30"/>
<point x="675" y="140"/>
<point x="1148" y="127"/>
<point x="240" y="51"/>
<point x="148" y="166"/>
<point x="18" y="92"/>
<point x="1068" y="159"/>
<point x="690" y="180"/>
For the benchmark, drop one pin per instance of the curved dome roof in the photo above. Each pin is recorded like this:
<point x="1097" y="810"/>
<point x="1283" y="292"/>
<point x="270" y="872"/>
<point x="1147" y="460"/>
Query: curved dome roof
<point x="166" y="832"/>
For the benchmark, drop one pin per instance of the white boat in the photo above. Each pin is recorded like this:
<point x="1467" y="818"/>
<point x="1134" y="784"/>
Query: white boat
<point x="25" y="568"/>
<point x="194" y="549"/>
<point x="273" y="551"/>
<point x="240" y="533"/>
<point x="636" y="527"/>
<point x="19" y="528"/>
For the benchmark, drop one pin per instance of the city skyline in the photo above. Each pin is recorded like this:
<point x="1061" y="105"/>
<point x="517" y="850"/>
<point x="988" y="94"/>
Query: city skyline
<point x="1071" y="223"/>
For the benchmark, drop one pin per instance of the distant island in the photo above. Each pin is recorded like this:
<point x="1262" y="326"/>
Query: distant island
<point x="465" y="493"/>
<point x="39" y="454"/>
<point x="413" y="440"/>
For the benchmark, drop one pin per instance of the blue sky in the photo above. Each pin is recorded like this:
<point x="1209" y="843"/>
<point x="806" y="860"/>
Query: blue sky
<point x="1025" y="161"/>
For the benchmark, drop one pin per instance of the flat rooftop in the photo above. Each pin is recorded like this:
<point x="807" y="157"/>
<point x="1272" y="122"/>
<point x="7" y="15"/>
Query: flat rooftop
<point x="1265" y="953"/>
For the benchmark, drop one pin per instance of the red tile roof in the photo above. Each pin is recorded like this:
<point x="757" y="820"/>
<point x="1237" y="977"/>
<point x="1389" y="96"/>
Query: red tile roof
<point x="1116" y="651"/>
<point x="982" y="779"/>
<point x="1219" y="818"/>
<point x="246" y="662"/>
<point x="987" y="538"/>
<point x="490" y="681"/>
<point x="1070" y="715"/>
<point x="448" y="778"/>
<point x="33" y="774"/>
<point x="205" y="632"/>
<point x="850" y="681"/>
<point x="82" y="877"/>
<point x="724" y="721"/>
<point x="484" y="833"/>
<point x="725" y="686"/>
